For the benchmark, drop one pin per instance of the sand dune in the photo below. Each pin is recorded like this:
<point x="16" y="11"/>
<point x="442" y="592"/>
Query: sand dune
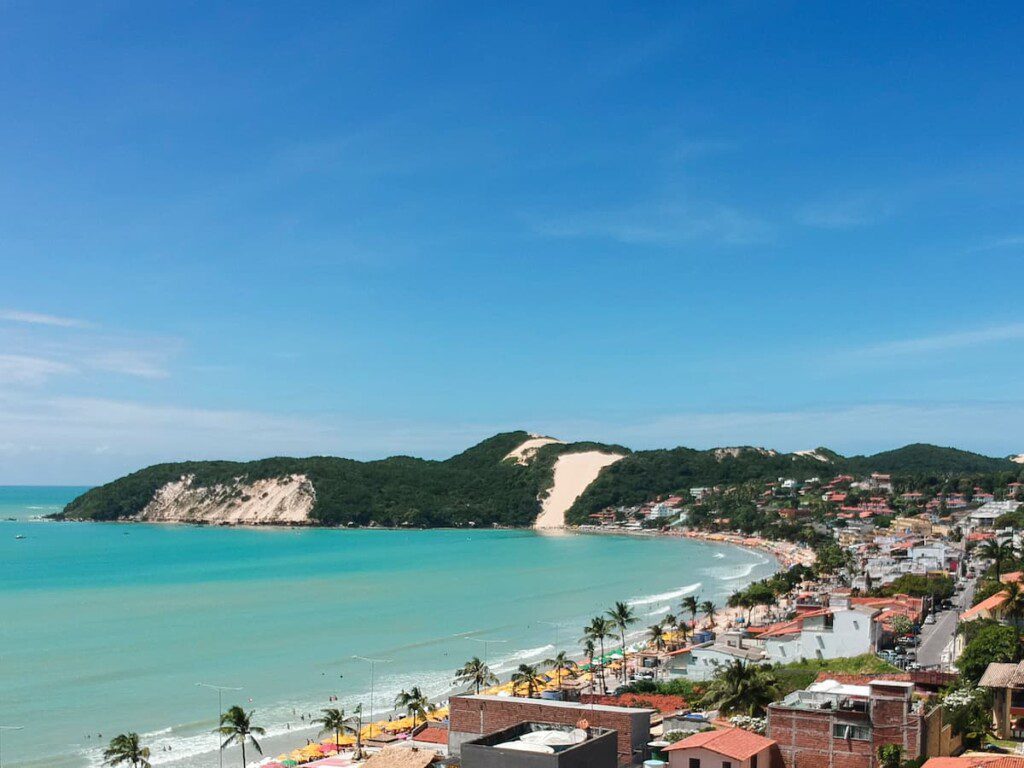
<point x="573" y="473"/>
<point x="525" y="452"/>
<point x="277" y="501"/>
<point x="1018" y="458"/>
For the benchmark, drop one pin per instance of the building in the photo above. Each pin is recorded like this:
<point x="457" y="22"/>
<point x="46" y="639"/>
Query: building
<point x="842" y="726"/>
<point x="471" y="716"/>
<point x="726" y="748"/>
<point x="827" y="633"/>
<point x="700" y="662"/>
<point x="986" y="515"/>
<point x="542" y="745"/>
<point x="1006" y="681"/>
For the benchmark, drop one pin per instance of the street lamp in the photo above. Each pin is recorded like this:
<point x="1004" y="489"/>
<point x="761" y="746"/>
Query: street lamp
<point x="220" y="711"/>
<point x="486" y="643"/>
<point x="373" y="663"/>
<point x="2" y="729"/>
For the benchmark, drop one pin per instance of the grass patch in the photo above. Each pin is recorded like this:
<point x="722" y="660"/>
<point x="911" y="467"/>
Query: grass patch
<point x="798" y="675"/>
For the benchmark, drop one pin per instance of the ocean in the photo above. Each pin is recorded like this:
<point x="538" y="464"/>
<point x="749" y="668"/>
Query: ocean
<point x="108" y="628"/>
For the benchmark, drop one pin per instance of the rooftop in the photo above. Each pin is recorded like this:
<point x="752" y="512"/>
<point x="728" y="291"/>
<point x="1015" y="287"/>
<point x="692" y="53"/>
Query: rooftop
<point x="731" y="742"/>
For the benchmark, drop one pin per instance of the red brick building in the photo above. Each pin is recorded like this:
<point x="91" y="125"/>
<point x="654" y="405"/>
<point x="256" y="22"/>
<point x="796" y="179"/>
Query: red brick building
<point x="834" y="725"/>
<point x="472" y="716"/>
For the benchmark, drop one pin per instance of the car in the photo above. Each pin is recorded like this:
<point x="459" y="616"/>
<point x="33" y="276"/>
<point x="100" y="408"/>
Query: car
<point x="929" y="619"/>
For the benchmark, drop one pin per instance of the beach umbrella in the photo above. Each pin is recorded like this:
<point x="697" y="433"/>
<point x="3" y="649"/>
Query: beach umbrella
<point x="289" y="763"/>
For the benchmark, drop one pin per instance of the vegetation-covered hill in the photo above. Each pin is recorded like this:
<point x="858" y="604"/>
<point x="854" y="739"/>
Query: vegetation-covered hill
<point x="478" y="487"/>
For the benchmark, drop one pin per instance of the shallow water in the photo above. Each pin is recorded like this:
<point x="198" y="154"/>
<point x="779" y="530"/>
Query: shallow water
<point x="106" y="628"/>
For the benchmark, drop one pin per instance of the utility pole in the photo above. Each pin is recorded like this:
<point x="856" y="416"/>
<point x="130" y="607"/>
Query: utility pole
<point x="373" y="663"/>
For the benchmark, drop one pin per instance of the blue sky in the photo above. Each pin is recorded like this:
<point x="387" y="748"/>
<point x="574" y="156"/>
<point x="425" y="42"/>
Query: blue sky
<point x="232" y="230"/>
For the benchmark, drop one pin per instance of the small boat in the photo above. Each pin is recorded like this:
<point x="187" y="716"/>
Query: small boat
<point x="20" y="536"/>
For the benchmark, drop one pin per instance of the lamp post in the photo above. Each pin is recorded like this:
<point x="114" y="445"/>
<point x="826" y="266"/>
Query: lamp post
<point x="373" y="663"/>
<point x="220" y="711"/>
<point x="2" y="729"/>
<point x="486" y="643"/>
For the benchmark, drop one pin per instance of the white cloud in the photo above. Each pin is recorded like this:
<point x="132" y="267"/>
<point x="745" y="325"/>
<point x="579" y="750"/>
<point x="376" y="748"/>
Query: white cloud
<point x="38" y="318"/>
<point x="24" y="369"/>
<point x="667" y="224"/>
<point x="941" y="342"/>
<point x="846" y="213"/>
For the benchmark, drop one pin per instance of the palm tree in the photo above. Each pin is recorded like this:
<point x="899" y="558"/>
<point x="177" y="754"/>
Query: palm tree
<point x="334" y="721"/>
<point x="561" y="663"/>
<point x="998" y="552"/>
<point x="708" y="609"/>
<point x="126" y="748"/>
<point x="741" y="689"/>
<point x="691" y="606"/>
<point x="598" y="629"/>
<point x="656" y="634"/>
<point x="621" y="616"/>
<point x="1014" y="603"/>
<point x="476" y="673"/>
<point x="588" y="650"/>
<point x="237" y="728"/>
<point x="527" y="675"/>
<point x="415" y="703"/>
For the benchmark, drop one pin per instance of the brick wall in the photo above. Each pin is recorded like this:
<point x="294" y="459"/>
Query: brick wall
<point x="479" y="715"/>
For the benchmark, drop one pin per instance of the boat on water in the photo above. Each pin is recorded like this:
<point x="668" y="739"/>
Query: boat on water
<point x="20" y="536"/>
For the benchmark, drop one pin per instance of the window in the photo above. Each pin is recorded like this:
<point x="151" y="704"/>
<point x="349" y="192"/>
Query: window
<point x="847" y="731"/>
<point x="694" y="762"/>
<point x="753" y="761"/>
<point x="726" y="764"/>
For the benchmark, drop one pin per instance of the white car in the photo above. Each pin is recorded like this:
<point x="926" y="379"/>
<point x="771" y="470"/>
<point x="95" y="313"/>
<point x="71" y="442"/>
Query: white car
<point x="929" y="619"/>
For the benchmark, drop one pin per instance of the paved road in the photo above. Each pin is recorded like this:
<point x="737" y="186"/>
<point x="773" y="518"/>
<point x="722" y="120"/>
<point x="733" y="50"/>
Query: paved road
<point x="935" y="638"/>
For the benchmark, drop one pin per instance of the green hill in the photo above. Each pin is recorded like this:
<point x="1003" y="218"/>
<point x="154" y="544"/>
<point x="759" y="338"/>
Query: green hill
<point x="478" y="487"/>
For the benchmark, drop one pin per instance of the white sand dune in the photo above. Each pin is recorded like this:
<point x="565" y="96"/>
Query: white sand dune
<point x="282" y="500"/>
<point x="573" y="473"/>
<point x="1019" y="458"/>
<point x="812" y="455"/>
<point x="525" y="452"/>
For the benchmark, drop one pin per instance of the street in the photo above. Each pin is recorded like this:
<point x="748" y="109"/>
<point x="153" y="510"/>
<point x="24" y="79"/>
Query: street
<point x="936" y="638"/>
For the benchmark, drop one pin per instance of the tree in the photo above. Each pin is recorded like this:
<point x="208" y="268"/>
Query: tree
<point x="475" y="673"/>
<point x="527" y="675"/>
<point x="890" y="755"/>
<point x="622" y="616"/>
<point x="901" y="625"/>
<point x="599" y="629"/>
<point x="415" y="703"/>
<point x="656" y="636"/>
<point x="561" y="663"/>
<point x="236" y="727"/>
<point x="588" y="650"/>
<point x="1013" y="606"/>
<point x="739" y="688"/>
<point x="709" y="608"/>
<point x="126" y="748"/>
<point x="990" y="643"/>
<point x="357" y="717"/>
<point x="691" y="606"/>
<point x="334" y="721"/>
<point x="998" y="553"/>
<point x="968" y="712"/>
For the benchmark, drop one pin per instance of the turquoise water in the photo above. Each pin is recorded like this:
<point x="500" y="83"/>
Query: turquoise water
<point x="108" y="627"/>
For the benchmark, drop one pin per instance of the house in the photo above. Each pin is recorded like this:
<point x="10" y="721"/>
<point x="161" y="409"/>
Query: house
<point x="839" y="630"/>
<point x="881" y="482"/>
<point x="542" y="745"/>
<point x="1006" y="681"/>
<point x="471" y="716"/>
<point x="986" y="515"/>
<point x="992" y="607"/>
<point x="835" y="724"/>
<point x="703" y="661"/>
<point x="726" y="748"/>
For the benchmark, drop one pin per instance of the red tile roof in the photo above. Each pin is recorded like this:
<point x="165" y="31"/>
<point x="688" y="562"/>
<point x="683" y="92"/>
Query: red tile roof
<point x="432" y="735"/>
<point x="664" y="703"/>
<point x="988" y="604"/>
<point x="972" y="761"/>
<point x="731" y="742"/>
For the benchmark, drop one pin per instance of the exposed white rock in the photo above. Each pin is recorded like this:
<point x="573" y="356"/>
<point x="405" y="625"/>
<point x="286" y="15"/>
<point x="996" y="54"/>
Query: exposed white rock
<point x="812" y="455"/>
<point x="1019" y="458"/>
<point x="282" y="500"/>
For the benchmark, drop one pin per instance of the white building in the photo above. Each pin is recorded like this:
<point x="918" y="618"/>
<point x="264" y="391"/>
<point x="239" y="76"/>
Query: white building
<point x="830" y="633"/>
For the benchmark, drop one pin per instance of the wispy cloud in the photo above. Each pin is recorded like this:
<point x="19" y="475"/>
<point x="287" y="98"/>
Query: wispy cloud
<point x="846" y="213"/>
<point x="38" y="318"/>
<point x="666" y="224"/>
<point x="24" y="369"/>
<point x="1008" y="241"/>
<point x="941" y="342"/>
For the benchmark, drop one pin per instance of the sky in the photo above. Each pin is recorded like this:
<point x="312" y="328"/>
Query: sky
<point x="231" y="230"/>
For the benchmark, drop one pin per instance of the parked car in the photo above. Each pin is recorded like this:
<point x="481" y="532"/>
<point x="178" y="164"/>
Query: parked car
<point x="929" y="619"/>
